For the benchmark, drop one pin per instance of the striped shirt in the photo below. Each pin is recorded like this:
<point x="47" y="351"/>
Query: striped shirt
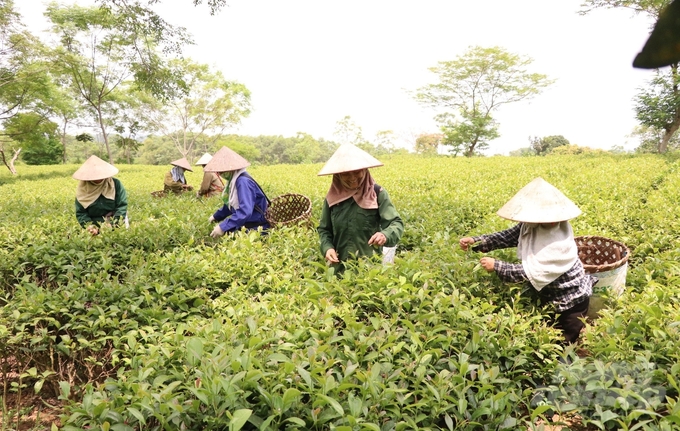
<point x="569" y="289"/>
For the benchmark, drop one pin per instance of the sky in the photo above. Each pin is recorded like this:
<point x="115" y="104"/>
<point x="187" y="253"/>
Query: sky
<point x="310" y="63"/>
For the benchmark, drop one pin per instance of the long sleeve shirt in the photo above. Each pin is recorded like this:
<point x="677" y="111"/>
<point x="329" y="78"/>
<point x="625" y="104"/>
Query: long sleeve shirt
<point x="346" y="227"/>
<point x="102" y="206"/>
<point x="569" y="289"/>
<point x="250" y="213"/>
<point x="172" y="185"/>
<point x="211" y="185"/>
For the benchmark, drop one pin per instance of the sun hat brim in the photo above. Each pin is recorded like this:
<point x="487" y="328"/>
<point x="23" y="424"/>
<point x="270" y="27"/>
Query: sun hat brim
<point x="182" y="163"/>
<point x="349" y="158"/>
<point x="226" y="160"/>
<point x="539" y="202"/>
<point x="205" y="158"/>
<point x="95" y="169"/>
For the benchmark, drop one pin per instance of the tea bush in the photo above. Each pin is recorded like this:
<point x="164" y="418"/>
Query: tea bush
<point x="160" y="326"/>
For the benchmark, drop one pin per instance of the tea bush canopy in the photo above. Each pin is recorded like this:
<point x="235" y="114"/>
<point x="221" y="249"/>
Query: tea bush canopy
<point x="160" y="326"/>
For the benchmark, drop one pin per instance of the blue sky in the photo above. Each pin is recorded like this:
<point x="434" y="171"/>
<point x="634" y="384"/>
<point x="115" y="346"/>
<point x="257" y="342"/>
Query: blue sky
<point x="310" y="63"/>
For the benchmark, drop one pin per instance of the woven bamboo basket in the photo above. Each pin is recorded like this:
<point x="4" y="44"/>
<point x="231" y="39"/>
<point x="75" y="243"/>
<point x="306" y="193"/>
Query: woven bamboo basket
<point x="289" y="209"/>
<point x="599" y="254"/>
<point x="607" y="260"/>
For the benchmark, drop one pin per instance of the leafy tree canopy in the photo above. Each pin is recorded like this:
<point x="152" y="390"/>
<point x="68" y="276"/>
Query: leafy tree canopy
<point x="471" y="87"/>
<point x="658" y="106"/>
<point x="543" y="146"/>
<point x="38" y="138"/>
<point x="24" y="77"/>
<point x="428" y="143"/>
<point x="649" y="7"/>
<point x="650" y="137"/>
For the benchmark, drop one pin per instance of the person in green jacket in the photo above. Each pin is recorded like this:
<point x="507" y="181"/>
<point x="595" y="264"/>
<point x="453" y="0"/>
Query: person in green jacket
<point x="358" y="217"/>
<point x="100" y="198"/>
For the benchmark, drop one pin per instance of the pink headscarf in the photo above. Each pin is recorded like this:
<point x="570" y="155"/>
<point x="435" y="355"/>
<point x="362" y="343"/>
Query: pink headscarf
<point x="364" y="195"/>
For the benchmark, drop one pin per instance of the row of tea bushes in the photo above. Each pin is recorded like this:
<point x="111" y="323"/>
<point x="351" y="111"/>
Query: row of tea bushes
<point x="162" y="327"/>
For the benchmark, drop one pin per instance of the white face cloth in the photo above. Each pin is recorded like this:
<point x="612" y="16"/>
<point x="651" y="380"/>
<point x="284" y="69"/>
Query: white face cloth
<point x="178" y="174"/>
<point x="232" y="202"/>
<point x="546" y="251"/>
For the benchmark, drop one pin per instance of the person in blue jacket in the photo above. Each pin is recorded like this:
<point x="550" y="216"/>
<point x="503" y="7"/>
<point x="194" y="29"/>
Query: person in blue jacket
<point x="244" y="201"/>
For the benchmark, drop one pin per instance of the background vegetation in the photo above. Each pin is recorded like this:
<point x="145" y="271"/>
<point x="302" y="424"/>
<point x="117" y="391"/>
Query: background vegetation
<point x="114" y="74"/>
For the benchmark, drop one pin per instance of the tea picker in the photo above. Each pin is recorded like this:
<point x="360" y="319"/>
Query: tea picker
<point x="358" y="217"/>
<point x="100" y="198"/>
<point x="548" y="252"/>
<point x="212" y="184"/>
<point x="175" y="181"/>
<point x="244" y="200"/>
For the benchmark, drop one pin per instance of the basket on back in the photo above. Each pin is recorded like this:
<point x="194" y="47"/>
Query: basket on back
<point x="607" y="260"/>
<point x="289" y="209"/>
<point x="599" y="254"/>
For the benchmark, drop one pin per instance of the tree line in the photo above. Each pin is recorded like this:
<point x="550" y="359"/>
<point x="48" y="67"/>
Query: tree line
<point x="117" y="67"/>
<point x="161" y="150"/>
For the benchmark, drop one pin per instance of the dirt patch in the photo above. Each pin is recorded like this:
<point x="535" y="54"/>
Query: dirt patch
<point x="30" y="413"/>
<point x="563" y="423"/>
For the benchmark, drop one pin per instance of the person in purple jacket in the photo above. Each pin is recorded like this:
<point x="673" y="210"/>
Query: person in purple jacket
<point x="244" y="201"/>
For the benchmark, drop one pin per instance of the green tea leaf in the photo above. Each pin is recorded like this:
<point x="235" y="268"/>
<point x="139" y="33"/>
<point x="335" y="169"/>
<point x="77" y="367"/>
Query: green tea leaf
<point x="239" y="419"/>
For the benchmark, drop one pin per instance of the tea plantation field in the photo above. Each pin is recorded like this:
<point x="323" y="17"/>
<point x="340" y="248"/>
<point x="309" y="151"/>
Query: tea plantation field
<point x="160" y="327"/>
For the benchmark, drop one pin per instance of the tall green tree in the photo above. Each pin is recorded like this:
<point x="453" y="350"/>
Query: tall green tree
<point x="58" y="104"/>
<point x="99" y="53"/>
<point x="23" y="71"/>
<point x="658" y="105"/>
<point x="126" y="119"/>
<point x="428" y="143"/>
<point x="27" y="83"/>
<point x="126" y="139"/>
<point x="24" y="77"/>
<point x="38" y="138"/>
<point x="151" y="34"/>
<point x="542" y="146"/>
<point x="473" y="86"/>
<point x="212" y="104"/>
<point x="470" y="132"/>
<point x="649" y="138"/>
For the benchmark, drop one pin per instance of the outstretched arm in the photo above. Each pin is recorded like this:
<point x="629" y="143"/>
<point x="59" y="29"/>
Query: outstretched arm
<point x="494" y="241"/>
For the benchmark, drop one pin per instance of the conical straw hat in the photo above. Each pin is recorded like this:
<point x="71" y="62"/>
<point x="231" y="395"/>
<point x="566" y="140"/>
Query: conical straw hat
<point x="182" y="163"/>
<point x="539" y="202"/>
<point x="95" y="169"/>
<point x="226" y="160"/>
<point x="205" y="158"/>
<point x="348" y="158"/>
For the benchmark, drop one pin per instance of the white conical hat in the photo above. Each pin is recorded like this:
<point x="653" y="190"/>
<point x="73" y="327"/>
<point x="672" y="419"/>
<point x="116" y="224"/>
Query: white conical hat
<point x="182" y="163"/>
<point x="539" y="202"/>
<point x="226" y="160"/>
<point x="348" y="158"/>
<point x="95" y="169"/>
<point x="205" y="158"/>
